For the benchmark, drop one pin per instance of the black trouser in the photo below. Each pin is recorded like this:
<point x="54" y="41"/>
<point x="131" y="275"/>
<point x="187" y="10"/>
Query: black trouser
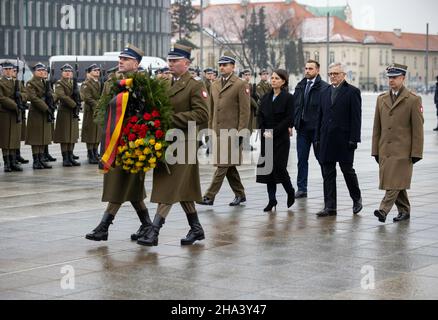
<point x="329" y="175"/>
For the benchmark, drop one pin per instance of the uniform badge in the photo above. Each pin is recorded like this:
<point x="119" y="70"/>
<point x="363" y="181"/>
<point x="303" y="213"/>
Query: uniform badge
<point x="204" y="94"/>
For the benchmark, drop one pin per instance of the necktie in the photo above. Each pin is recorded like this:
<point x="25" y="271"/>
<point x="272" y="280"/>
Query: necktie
<point x="306" y="92"/>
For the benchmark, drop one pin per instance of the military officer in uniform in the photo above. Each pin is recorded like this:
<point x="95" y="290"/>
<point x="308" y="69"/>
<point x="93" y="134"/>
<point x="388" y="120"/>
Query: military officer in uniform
<point x="90" y="94"/>
<point x="46" y="155"/>
<point x="67" y="126"/>
<point x="208" y="78"/>
<point x="397" y="142"/>
<point x="39" y="131"/>
<point x="10" y="118"/>
<point x="189" y="99"/>
<point x="120" y="186"/>
<point x="19" y="158"/>
<point x="263" y="87"/>
<point x="230" y="109"/>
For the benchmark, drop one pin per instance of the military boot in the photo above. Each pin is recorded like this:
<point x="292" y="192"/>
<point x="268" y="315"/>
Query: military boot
<point x="47" y="156"/>
<point x="72" y="159"/>
<point x="7" y="167"/>
<point x="91" y="158"/>
<point x="20" y="159"/>
<point x="37" y="165"/>
<point x="196" y="232"/>
<point x="96" y="154"/>
<point x="15" y="166"/>
<point x="101" y="231"/>
<point x="66" y="159"/>
<point x="151" y="238"/>
<point x="43" y="162"/>
<point x="146" y="224"/>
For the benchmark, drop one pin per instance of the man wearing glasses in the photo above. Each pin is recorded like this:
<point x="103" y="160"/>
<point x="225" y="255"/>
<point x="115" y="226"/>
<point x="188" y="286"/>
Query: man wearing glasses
<point x="337" y="135"/>
<point x="397" y="142"/>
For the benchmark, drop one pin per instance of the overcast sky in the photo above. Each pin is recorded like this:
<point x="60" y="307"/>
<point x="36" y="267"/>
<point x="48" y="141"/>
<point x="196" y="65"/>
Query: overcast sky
<point x="383" y="15"/>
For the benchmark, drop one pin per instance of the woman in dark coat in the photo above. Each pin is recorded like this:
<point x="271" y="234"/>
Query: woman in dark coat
<point x="275" y="119"/>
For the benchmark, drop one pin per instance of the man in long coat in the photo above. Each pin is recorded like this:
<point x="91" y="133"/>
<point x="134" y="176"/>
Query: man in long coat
<point x="189" y="99"/>
<point x="39" y="129"/>
<point x="90" y="94"/>
<point x="337" y="134"/>
<point x="397" y="142"/>
<point x="10" y="118"/>
<point x="230" y="109"/>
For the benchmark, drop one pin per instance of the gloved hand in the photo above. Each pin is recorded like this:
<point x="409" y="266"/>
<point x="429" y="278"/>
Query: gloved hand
<point x="415" y="159"/>
<point x="377" y="158"/>
<point x="352" y="145"/>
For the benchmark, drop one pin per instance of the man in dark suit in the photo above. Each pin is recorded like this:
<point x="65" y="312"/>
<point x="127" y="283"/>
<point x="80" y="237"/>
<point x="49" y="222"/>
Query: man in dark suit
<point x="337" y="135"/>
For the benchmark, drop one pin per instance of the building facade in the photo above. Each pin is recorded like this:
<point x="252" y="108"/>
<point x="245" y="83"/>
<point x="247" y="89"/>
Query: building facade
<point x="82" y="27"/>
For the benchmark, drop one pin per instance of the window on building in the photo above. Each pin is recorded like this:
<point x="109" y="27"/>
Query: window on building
<point x="306" y="55"/>
<point x="386" y="57"/>
<point x="316" y="53"/>
<point x="404" y="60"/>
<point x="3" y="12"/>
<point x="361" y="59"/>
<point x="102" y="17"/>
<point x="49" y="43"/>
<point x="87" y="17"/>
<point x="435" y="63"/>
<point x="124" y="20"/>
<point x="332" y="57"/>
<point x="94" y="17"/>
<point x="42" y="48"/>
<point x="381" y="57"/>
<point x="393" y="59"/>
<point x="7" y="42"/>
<point x="415" y="62"/>
<point x="13" y="11"/>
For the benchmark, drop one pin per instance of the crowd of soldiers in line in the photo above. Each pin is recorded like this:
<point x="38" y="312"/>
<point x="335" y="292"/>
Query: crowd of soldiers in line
<point x="39" y="127"/>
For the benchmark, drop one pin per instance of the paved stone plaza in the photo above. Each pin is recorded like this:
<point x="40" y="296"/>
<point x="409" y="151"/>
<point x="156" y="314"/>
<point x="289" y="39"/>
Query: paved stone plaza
<point x="247" y="254"/>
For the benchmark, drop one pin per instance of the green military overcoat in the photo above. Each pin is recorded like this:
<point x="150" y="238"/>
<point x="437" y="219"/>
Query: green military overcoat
<point x="397" y="137"/>
<point x="39" y="129"/>
<point x="189" y="99"/>
<point x="230" y="109"/>
<point x="67" y="127"/>
<point x="10" y="129"/>
<point x="90" y="94"/>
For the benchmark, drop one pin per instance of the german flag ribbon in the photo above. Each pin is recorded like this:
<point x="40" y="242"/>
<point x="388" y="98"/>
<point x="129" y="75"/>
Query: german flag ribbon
<point x="113" y="124"/>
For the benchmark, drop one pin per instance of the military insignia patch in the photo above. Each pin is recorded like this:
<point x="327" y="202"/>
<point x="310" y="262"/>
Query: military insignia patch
<point x="204" y="94"/>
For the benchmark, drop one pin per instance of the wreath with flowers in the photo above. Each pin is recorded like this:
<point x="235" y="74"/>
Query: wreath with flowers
<point x="140" y="144"/>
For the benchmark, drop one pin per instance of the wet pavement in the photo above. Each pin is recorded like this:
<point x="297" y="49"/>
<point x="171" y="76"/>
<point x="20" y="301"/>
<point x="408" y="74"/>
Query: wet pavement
<point x="247" y="254"/>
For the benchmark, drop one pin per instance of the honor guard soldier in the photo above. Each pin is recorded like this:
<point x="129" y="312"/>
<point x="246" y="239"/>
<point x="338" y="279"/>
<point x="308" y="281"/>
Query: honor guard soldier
<point x="41" y="116"/>
<point x="46" y="155"/>
<point x="397" y="142"/>
<point x="120" y="186"/>
<point x="21" y="85"/>
<point x="90" y="94"/>
<point x="67" y="124"/>
<point x="12" y="97"/>
<point x="230" y="109"/>
<point x="263" y="87"/>
<point x="189" y="99"/>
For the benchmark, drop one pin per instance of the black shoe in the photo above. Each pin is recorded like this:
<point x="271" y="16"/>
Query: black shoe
<point x="96" y="154"/>
<point x="146" y="224"/>
<point x="237" y="201"/>
<point x="15" y="166"/>
<point x="196" y="232"/>
<point x="47" y="156"/>
<point x="37" y="165"/>
<point x="101" y="231"/>
<point x="151" y="238"/>
<point x="44" y="164"/>
<point x="327" y="213"/>
<point x="300" y="194"/>
<point x="380" y="214"/>
<point x="19" y="158"/>
<point x="7" y="167"/>
<point x="271" y="204"/>
<point x="205" y="201"/>
<point x="73" y="159"/>
<point x="91" y="157"/>
<point x="66" y="160"/>
<point x="357" y="206"/>
<point x="402" y="216"/>
<point x="291" y="198"/>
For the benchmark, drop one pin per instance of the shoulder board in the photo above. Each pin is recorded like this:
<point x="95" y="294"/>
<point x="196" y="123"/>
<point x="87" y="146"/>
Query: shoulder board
<point x="413" y="93"/>
<point x="382" y="94"/>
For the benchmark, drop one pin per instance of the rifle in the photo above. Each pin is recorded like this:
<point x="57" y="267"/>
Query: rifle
<point x="48" y="99"/>
<point x="76" y="95"/>
<point x="101" y="78"/>
<point x="21" y="114"/>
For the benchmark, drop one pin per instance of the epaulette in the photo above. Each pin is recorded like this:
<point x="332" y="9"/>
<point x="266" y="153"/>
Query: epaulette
<point x="382" y="94"/>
